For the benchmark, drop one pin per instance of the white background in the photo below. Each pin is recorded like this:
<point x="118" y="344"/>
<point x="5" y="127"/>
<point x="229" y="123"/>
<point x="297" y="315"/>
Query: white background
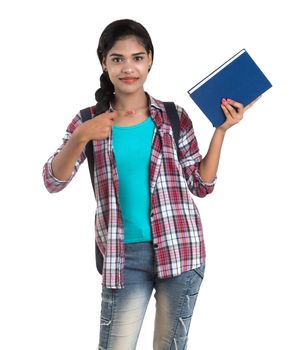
<point x="50" y="290"/>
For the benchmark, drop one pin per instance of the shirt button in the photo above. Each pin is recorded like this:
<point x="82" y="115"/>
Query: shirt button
<point x="152" y="214"/>
<point x="155" y="245"/>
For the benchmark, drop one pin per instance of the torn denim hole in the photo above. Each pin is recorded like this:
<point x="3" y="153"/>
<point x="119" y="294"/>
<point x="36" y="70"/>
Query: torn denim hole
<point x="181" y="343"/>
<point x="183" y="325"/>
<point x="181" y="336"/>
<point x="106" y="312"/>
<point x="106" y="300"/>
<point x="187" y="298"/>
<point x="105" y="322"/>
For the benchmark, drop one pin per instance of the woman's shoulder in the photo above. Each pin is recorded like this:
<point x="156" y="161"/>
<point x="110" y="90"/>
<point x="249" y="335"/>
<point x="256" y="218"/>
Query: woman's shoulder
<point x="184" y="120"/>
<point x="161" y="105"/>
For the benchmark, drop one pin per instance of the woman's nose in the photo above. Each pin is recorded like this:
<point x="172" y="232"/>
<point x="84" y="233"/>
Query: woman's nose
<point x="127" y="68"/>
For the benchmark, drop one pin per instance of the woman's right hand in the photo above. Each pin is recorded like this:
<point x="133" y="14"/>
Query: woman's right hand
<point x="97" y="128"/>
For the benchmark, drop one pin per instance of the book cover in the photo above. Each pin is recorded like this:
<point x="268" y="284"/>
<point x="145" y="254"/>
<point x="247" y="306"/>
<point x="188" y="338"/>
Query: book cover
<point x="239" y="79"/>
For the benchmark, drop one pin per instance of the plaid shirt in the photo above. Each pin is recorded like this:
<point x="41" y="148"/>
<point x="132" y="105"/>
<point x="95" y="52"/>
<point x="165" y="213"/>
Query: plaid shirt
<point x="175" y="220"/>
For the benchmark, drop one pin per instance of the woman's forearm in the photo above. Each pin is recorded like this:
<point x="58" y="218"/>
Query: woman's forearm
<point x="209" y="164"/>
<point x="64" y="162"/>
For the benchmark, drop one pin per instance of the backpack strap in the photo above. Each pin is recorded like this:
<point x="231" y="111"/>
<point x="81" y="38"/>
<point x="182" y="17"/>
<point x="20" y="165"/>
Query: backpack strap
<point x="86" y="115"/>
<point x="175" y="122"/>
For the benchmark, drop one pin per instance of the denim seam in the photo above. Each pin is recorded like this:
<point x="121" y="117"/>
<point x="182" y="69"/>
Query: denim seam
<point x="199" y="272"/>
<point x="178" y="316"/>
<point x="111" y="324"/>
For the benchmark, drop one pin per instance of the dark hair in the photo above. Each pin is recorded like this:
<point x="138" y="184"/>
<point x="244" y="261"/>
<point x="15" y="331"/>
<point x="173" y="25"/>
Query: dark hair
<point x="113" y="32"/>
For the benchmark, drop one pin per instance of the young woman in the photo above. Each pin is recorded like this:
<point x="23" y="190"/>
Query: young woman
<point x="148" y="227"/>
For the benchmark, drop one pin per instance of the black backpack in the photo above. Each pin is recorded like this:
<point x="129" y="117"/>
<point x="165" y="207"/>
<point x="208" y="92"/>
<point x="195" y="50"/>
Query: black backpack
<point x="86" y="115"/>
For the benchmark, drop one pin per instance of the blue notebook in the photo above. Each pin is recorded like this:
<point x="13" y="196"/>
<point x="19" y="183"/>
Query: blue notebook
<point x="239" y="79"/>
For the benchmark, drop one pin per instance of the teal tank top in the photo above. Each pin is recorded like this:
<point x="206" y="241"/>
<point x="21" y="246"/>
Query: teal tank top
<point x="132" y="149"/>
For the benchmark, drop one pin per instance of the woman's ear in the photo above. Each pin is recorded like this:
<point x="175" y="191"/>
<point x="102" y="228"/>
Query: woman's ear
<point x="150" y="60"/>
<point x="103" y="66"/>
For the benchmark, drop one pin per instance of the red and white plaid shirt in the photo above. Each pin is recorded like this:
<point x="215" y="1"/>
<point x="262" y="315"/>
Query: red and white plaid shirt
<point x="175" y="220"/>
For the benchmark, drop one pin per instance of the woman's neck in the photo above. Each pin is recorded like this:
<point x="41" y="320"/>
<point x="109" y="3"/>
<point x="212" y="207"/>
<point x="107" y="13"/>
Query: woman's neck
<point x="134" y="104"/>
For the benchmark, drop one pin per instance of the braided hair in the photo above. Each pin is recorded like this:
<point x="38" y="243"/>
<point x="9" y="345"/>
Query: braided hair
<point x="113" y="32"/>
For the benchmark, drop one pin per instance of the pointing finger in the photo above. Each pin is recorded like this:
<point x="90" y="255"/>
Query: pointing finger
<point x="112" y="115"/>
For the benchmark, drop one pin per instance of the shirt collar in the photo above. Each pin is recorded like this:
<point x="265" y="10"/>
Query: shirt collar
<point x="156" y="108"/>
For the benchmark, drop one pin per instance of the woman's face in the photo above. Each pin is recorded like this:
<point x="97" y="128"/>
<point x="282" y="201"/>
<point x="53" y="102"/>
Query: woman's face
<point x="127" y="64"/>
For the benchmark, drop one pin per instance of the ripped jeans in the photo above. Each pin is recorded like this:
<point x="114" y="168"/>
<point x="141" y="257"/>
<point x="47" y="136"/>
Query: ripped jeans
<point x="123" y="310"/>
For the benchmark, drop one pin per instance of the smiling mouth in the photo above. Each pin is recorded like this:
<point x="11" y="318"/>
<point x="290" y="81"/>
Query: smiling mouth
<point x="129" y="80"/>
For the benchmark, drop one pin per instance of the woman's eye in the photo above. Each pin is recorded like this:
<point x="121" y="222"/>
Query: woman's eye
<point x="117" y="59"/>
<point x="121" y="59"/>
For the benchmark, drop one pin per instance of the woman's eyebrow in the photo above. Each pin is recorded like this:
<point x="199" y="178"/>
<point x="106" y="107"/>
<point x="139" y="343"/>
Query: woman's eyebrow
<point x="120" y="55"/>
<point x="139" y="53"/>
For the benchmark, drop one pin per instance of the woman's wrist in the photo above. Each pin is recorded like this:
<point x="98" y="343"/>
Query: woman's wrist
<point x="79" y="136"/>
<point x="221" y="130"/>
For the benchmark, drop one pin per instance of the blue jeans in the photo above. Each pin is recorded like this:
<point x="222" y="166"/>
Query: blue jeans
<point x="123" y="310"/>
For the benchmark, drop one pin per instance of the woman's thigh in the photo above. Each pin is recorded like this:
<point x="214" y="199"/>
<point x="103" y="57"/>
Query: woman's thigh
<point x="123" y="310"/>
<point x="175" y="302"/>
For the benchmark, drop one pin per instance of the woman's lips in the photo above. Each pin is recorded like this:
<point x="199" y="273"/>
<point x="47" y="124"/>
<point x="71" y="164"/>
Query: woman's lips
<point x="129" y="80"/>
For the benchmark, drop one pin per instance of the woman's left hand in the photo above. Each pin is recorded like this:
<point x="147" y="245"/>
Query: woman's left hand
<point x="234" y="112"/>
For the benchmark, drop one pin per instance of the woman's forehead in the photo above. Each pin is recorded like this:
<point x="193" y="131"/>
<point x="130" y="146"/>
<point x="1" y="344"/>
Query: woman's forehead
<point x="128" y="44"/>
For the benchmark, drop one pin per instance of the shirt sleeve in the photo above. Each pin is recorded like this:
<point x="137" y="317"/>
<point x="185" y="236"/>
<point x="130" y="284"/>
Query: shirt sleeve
<point x="53" y="184"/>
<point x="190" y="157"/>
